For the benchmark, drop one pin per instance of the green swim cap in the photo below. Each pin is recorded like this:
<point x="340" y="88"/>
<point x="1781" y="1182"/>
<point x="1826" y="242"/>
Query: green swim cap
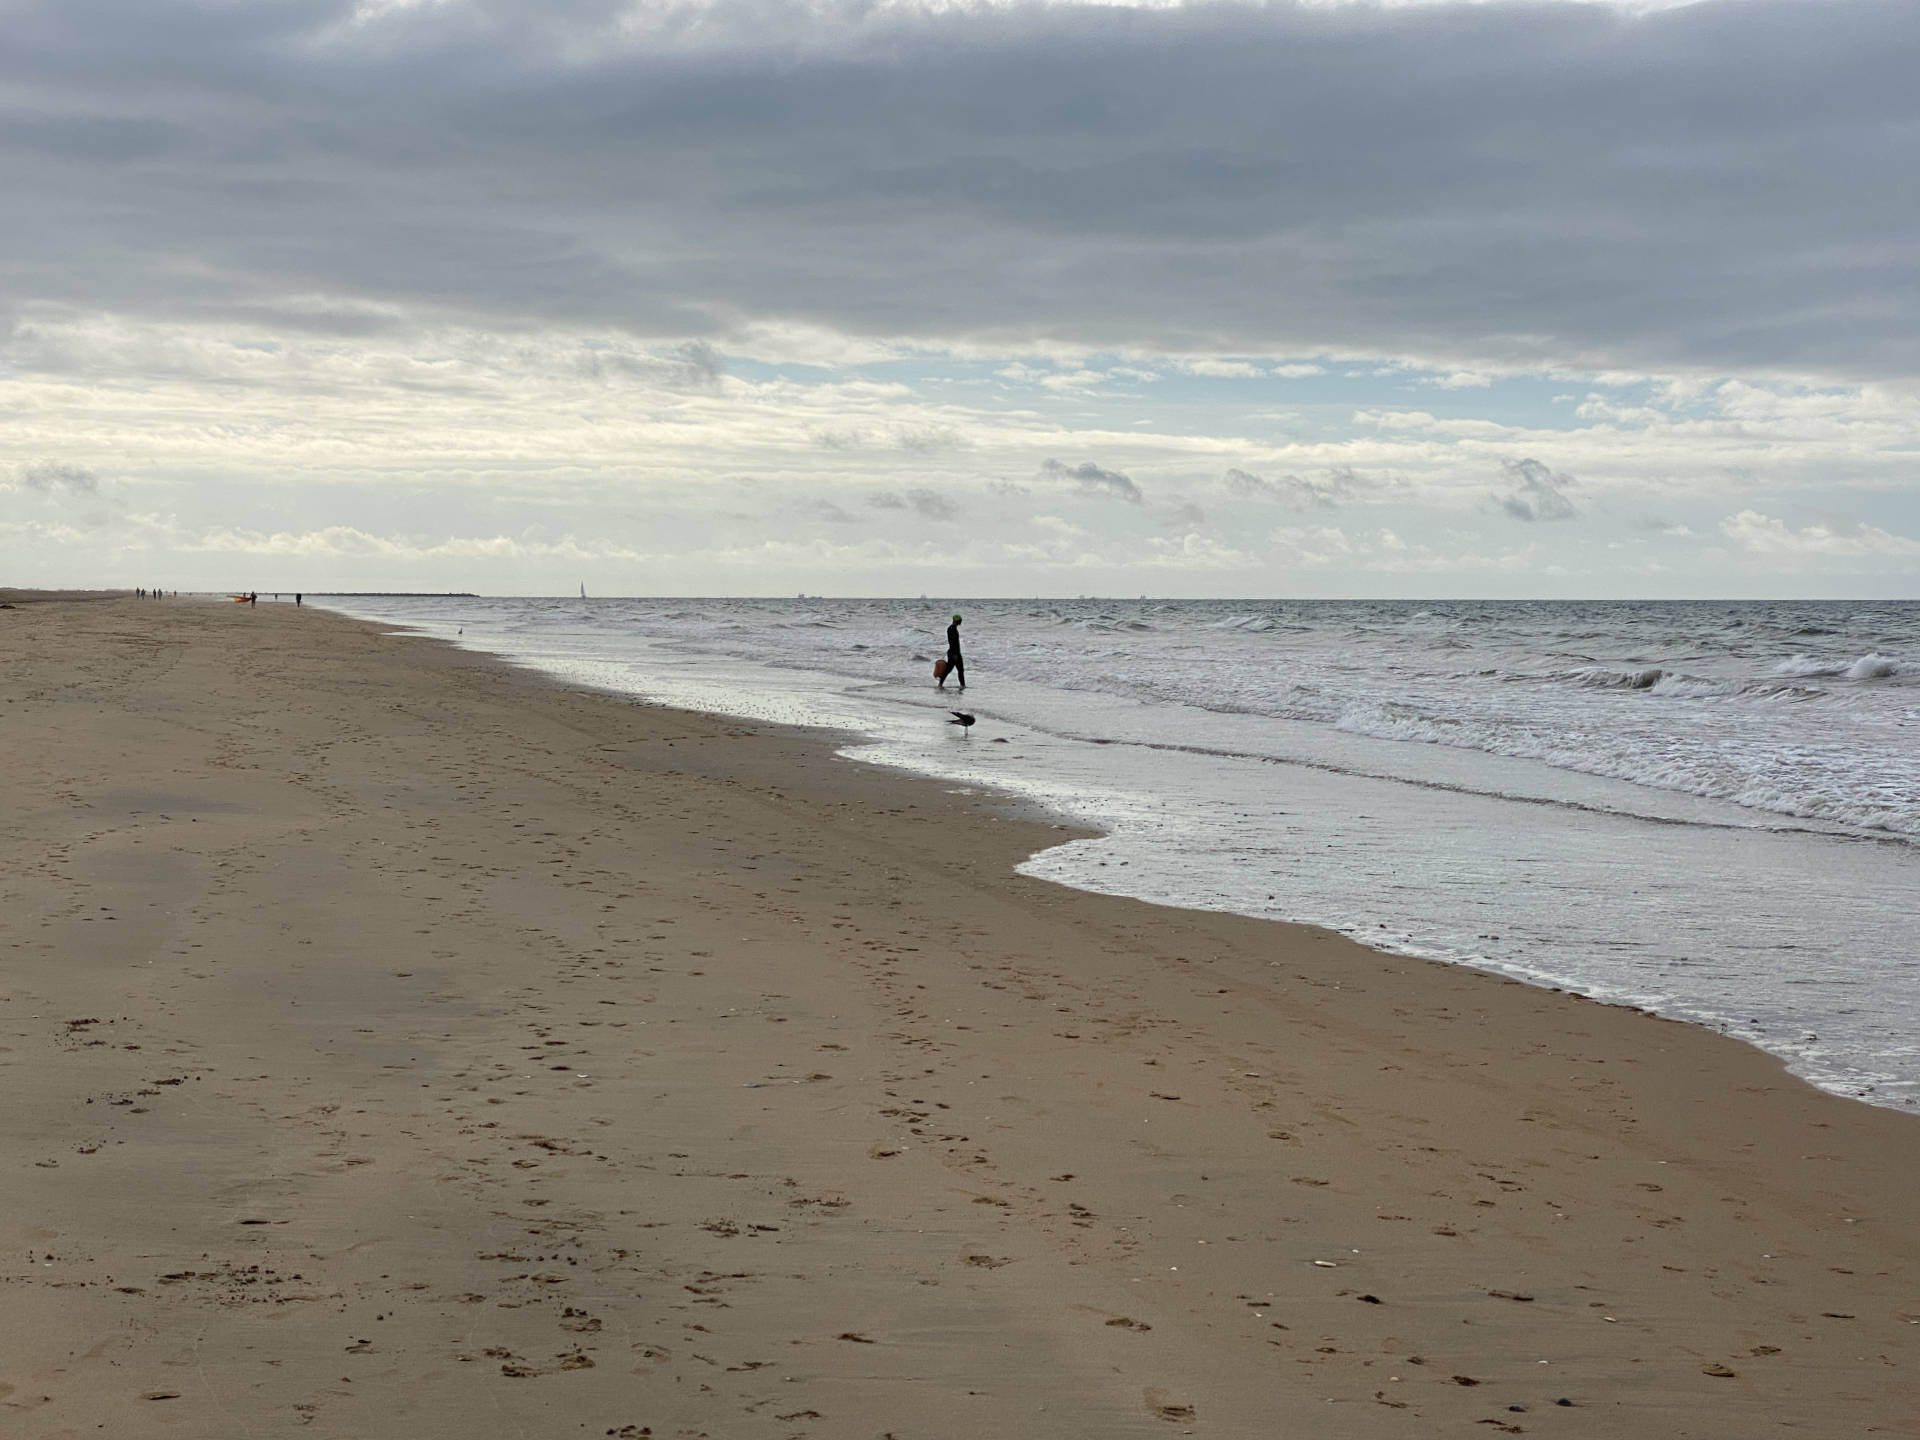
<point x="956" y="619"/>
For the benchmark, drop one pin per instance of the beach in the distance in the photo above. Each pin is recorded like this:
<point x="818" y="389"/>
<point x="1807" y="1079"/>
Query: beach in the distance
<point x="399" y="1043"/>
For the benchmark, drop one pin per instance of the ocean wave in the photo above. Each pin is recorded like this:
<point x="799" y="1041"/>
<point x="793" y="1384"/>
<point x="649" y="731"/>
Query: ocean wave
<point x="1810" y="785"/>
<point x="1874" y="666"/>
<point x="1671" y="683"/>
<point x="1767" y="690"/>
<point x="1807" y="668"/>
<point x="1603" y="677"/>
<point x="1392" y="722"/>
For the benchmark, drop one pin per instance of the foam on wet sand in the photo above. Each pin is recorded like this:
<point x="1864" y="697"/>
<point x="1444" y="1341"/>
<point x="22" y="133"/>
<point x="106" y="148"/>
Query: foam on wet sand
<point x="396" y="1044"/>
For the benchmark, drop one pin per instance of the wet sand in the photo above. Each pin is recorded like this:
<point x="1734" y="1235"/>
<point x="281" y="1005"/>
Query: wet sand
<point x="397" y="1045"/>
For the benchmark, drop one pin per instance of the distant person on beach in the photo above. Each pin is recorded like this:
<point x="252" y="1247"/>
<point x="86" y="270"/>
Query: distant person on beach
<point x="955" y="665"/>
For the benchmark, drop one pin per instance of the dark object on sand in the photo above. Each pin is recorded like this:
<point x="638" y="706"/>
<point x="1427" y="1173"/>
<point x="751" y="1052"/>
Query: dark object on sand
<point x="956" y="667"/>
<point x="963" y="720"/>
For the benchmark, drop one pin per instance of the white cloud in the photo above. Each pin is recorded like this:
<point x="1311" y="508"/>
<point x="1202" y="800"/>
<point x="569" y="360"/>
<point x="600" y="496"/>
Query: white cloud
<point x="344" y="541"/>
<point x="1195" y="552"/>
<point x="1764" y="535"/>
<point x="1222" y="369"/>
<point x="404" y="434"/>
<point x="1068" y="380"/>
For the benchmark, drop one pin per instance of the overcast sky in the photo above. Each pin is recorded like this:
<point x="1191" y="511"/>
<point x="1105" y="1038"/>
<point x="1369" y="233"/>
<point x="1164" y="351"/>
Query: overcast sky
<point x="1427" y="299"/>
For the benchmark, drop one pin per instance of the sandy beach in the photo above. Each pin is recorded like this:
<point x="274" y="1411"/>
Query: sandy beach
<point x="395" y="1044"/>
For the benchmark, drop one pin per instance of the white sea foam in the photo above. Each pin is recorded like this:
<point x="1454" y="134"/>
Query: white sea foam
<point x="1806" y="667"/>
<point x="1867" y="667"/>
<point x="1872" y="667"/>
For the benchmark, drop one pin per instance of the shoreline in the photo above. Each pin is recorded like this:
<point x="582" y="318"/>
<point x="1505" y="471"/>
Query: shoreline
<point x="1374" y="883"/>
<point x="992" y="1155"/>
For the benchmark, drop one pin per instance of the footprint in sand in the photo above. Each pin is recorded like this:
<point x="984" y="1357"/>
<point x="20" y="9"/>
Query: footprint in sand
<point x="1159" y="1404"/>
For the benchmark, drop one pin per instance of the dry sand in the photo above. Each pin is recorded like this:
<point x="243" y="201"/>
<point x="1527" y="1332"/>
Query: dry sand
<point x="396" y="1045"/>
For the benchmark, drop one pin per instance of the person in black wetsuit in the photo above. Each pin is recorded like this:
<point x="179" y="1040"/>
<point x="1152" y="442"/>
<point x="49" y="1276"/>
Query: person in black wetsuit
<point x="955" y="666"/>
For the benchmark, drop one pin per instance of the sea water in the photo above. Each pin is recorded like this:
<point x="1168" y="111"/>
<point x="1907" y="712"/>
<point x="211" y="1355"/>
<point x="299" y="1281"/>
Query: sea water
<point x="1711" y="810"/>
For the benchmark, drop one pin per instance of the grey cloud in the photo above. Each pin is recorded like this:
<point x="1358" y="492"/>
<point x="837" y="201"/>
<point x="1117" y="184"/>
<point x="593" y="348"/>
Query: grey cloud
<point x="1090" y="479"/>
<point x="928" y="503"/>
<point x="923" y="440"/>
<point x="1179" y="517"/>
<point x="932" y="505"/>
<point x="1293" y="492"/>
<point x="79" y="495"/>
<point x="927" y="439"/>
<point x="321" y="316"/>
<point x="1536" y="492"/>
<point x="700" y="366"/>
<point x="1717" y="184"/>
<point x="1661" y="525"/>
<point x="57" y="477"/>
<point x="827" y="510"/>
<point x="691" y="366"/>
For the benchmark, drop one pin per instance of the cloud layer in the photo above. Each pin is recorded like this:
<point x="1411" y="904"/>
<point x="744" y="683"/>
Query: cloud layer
<point x="1527" y="296"/>
<point x="1725" y="184"/>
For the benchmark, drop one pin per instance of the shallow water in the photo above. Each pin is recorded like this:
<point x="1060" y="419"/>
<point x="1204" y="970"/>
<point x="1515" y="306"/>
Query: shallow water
<point x="1711" y="810"/>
